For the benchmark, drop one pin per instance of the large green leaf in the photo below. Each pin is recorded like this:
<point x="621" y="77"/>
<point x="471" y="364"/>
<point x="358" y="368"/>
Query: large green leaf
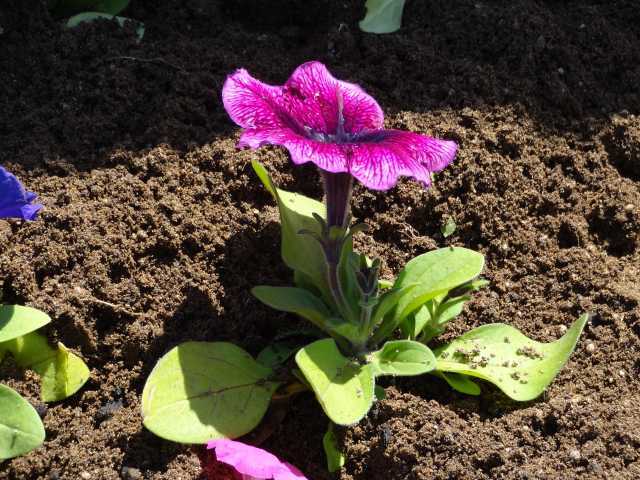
<point x="21" y="429"/>
<point x="200" y="391"/>
<point x="300" y="252"/>
<point x="383" y="16"/>
<point x="294" y="300"/>
<point x="402" y="358"/>
<point x="344" y="388"/>
<point x="62" y="373"/>
<point x="435" y="273"/>
<point x="522" y="368"/>
<point x="16" y="321"/>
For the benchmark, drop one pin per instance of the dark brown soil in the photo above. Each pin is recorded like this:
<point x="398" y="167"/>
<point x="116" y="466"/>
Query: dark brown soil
<point x="155" y="227"/>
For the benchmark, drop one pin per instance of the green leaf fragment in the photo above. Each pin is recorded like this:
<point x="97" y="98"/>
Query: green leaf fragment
<point x="16" y="320"/>
<point x="21" y="429"/>
<point x="201" y="391"/>
<point x="383" y="16"/>
<point x="344" y="388"/>
<point x="448" y="228"/>
<point x="460" y="383"/>
<point x="87" y="17"/>
<point x="62" y="373"/>
<point x="335" y="458"/>
<point x="277" y="353"/>
<point x="402" y="358"/>
<point x="522" y="368"/>
<point x="294" y="300"/>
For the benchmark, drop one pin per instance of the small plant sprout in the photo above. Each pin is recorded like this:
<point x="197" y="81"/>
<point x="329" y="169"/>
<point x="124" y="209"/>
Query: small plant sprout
<point x="61" y="372"/>
<point x="364" y="328"/>
<point x="238" y="461"/>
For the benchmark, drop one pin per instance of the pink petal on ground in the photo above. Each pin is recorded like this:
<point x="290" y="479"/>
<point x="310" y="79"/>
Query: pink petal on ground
<point x="253" y="461"/>
<point x="381" y="157"/>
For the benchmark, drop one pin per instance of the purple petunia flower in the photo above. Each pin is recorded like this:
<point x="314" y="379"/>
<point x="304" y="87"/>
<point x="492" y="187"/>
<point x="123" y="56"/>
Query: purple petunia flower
<point x="332" y="123"/>
<point x="15" y="201"/>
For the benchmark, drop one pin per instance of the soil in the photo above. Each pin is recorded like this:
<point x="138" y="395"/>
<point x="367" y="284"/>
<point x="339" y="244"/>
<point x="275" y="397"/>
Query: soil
<point x="155" y="228"/>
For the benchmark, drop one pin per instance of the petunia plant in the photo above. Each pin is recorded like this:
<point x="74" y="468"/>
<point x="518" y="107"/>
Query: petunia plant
<point x="61" y="372"/>
<point x="365" y="327"/>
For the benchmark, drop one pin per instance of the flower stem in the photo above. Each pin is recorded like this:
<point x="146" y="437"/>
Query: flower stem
<point x="337" y="187"/>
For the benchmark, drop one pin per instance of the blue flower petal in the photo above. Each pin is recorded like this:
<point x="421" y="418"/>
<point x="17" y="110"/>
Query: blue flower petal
<point x="15" y="201"/>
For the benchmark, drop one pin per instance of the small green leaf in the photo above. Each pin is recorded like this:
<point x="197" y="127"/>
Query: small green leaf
<point x="16" y="321"/>
<point x="335" y="458"/>
<point x="383" y="16"/>
<point x="277" y="353"/>
<point x="387" y="303"/>
<point x="522" y="368"/>
<point x="294" y="300"/>
<point x="300" y="252"/>
<point x="460" y="383"/>
<point x="62" y="373"/>
<point x="201" y="391"/>
<point x="380" y="393"/>
<point x="21" y="429"/>
<point x="448" y="228"/>
<point x="343" y="387"/>
<point x="435" y="273"/>
<point x="87" y="17"/>
<point x="402" y="358"/>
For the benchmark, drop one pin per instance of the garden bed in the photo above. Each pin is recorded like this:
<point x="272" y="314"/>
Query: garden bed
<point x="155" y="227"/>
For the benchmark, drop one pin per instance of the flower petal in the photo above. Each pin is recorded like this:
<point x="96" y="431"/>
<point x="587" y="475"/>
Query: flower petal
<point x="308" y="104"/>
<point x="253" y="461"/>
<point x="381" y="157"/>
<point x="327" y="156"/>
<point x="15" y="201"/>
<point x="318" y="95"/>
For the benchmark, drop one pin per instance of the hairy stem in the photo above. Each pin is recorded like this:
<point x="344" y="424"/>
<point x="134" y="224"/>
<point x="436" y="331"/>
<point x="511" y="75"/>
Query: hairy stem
<point x="337" y="187"/>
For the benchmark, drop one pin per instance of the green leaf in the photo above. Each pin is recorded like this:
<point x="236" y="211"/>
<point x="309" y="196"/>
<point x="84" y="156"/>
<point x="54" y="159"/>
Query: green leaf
<point x="402" y="358"/>
<point x="87" y="17"/>
<point x="387" y="303"/>
<point x="522" y="368"/>
<point x="62" y="373"/>
<point x="448" y="228"/>
<point x="16" y="321"/>
<point x="335" y="458"/>
<point x="277" y="353"/>
<point x="435" y="273"/>
<point x="300" y="252"/>
<point x="70" y="7"/>
<point x="460" y="383"/>
<point x="343" y="387"/>
<point x="383" y="16"/>
<point x="294" y="300"/>
<point x="201" y="391"/>
<point x="21" y="429"/>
